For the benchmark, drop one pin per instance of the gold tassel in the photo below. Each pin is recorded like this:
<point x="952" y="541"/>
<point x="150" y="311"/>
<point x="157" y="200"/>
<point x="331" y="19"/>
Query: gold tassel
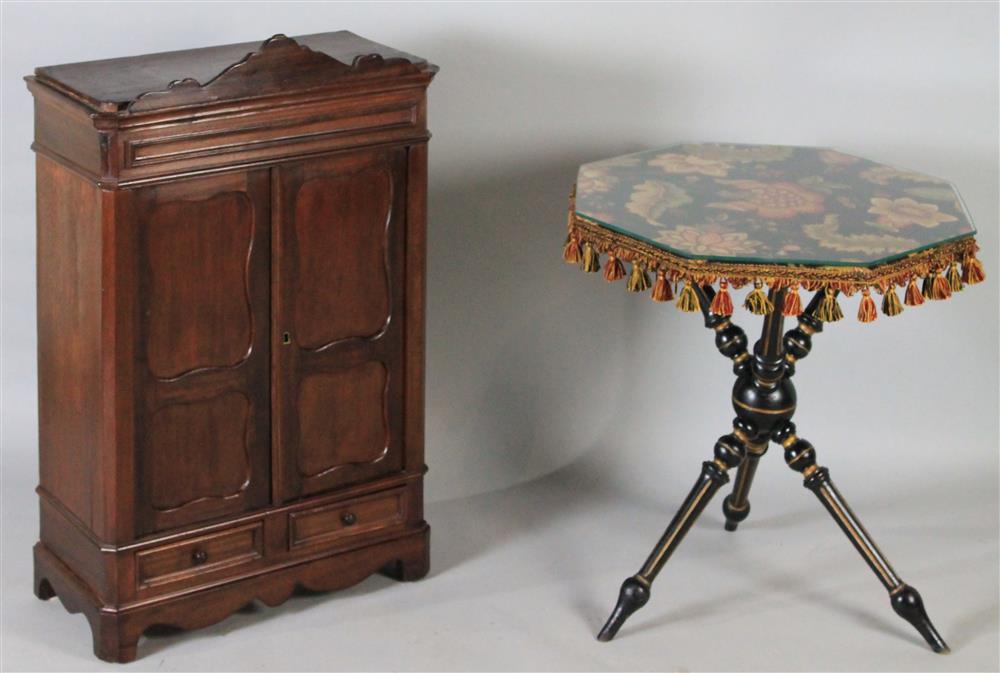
<point x="591" y="259"/>
<point x="638" y="281"/>
<point x="615" y="270"/>
<point x="914" y="297"/>
<point x="757" y="302"/>
<point x="890" y="302"/>
<point x="828" y="309"/>
<point x="866" y="309"/>
<point x="722" y="303"/>
<point x="571" y="251"/>
<point x="972" y="270"/>
<point x="793" y="303"/>
<point x="935" y="286"/>
<point x="688" y="299"/>
<point x="954" y="278"/>
<point x="662" y="290"/>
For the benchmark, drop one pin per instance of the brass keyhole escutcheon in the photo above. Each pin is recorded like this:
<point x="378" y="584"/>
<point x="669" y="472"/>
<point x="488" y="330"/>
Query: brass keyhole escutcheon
<point x="286" y="338"/>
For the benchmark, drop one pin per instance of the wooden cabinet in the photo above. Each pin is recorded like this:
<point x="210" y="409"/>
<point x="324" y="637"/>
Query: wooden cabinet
<point x="231" y="253"/>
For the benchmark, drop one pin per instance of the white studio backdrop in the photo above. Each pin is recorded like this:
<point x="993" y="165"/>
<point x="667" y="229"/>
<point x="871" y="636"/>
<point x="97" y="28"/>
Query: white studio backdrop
<point x="533" y="366"/>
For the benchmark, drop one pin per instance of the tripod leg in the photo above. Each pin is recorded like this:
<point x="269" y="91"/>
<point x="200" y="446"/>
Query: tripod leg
<point x="905" y="600"/>
<point x="729" y="453"/>
<point x="736" y="506"/>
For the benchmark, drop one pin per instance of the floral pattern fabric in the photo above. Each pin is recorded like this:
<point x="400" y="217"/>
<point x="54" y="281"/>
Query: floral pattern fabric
<point x="770" y="204"/>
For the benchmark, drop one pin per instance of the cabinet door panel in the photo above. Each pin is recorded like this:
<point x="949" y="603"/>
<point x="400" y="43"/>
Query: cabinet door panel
<point x="338" y="335"/>
<point x="202" y="353"/>
<point x="342" y="287"/>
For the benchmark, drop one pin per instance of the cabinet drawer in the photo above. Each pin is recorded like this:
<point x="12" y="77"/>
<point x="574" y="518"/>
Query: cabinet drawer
<point x="334" y="522"/>
<point x="201" y="555"/>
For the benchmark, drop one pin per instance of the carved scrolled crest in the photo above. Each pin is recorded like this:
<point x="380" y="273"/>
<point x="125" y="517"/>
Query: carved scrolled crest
<point x="279" y="64"/>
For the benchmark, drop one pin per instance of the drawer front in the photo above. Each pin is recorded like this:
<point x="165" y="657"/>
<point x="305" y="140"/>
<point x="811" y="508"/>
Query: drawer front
<point x="335" y="522"/>
<point x="268" y="134"/>
<point x="197" y="556"/>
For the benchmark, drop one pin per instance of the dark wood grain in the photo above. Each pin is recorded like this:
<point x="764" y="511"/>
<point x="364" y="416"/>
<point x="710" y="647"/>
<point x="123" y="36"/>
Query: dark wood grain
<point x="202" y="251"/>
<point x="340" y="280"/>
<point x="231" y="314"/>
<point x="117" y="83"/>
<point x="69" y="336"/>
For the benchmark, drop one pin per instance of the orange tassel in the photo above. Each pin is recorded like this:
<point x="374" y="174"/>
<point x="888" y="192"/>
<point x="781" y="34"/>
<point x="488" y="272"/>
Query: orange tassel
<point x="972" y="270"/>
<point x="793" y="303"/>
<point x="866" y="309"/>
<point x="572" y="253"/>
<point x="914" y="297"/>
<point x="615" y="270"/>
<point x="738" y="283"/>
<point x="935" y="286"/>
<point x="846" y="289"/>
<point x="722" y="303"/>
<point x="890" y="302"/>
<point x="661" y="289"/>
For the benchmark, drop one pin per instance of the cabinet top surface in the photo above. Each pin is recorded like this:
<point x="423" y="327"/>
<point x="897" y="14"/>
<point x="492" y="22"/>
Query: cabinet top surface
<point x="230" y="72"/>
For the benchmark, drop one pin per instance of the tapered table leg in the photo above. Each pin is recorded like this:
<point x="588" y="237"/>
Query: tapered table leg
<point x="736" y="506"/>
<point x="729" y="452"/>
<point x="905" y="600"/>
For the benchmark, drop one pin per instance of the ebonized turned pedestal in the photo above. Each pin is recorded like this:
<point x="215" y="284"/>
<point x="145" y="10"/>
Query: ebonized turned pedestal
<point x="764" y="401"/>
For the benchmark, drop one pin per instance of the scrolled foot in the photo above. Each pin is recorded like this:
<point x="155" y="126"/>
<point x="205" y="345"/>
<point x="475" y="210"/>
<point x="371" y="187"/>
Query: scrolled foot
<point x="907" y="604"/>
<point x="633" y="595"/>
<point x="409" y="569"/>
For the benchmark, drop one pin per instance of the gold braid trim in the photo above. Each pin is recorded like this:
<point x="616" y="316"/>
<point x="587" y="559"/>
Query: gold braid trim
<point x="847" y="279"/>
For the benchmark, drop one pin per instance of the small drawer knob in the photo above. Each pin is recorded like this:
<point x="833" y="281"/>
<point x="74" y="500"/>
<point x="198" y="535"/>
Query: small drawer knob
<point x="348" y="518"/>
<point x="199" y="556"/>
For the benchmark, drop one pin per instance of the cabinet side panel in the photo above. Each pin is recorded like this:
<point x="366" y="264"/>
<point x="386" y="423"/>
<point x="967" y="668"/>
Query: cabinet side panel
<point x="69" y="335"/>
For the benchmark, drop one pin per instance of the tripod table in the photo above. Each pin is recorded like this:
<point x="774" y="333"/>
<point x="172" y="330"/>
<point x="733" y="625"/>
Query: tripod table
<point x="789" y="219"/>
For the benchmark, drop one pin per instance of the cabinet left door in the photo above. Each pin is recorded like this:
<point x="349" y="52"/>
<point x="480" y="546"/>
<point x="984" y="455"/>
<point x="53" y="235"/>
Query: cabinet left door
<point x="201" y="324"/>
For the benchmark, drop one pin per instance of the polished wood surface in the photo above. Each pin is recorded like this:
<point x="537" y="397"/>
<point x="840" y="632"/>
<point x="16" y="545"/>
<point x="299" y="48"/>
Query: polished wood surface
<point x="340" y="282"/>
<point x="231" y="299"/>
<point x="202" y="258"/>
<point x="233" y="71"/>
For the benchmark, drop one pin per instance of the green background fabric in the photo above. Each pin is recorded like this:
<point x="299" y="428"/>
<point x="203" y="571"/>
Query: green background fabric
<point x="770" y="203"/>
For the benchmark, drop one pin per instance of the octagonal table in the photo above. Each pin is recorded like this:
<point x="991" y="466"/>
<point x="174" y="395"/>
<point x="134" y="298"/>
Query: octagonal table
<point x="690" y="217"/>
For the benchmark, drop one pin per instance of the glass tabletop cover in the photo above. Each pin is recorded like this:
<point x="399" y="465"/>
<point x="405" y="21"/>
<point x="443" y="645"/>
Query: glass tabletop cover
<point x="697" y="215"/>
<point x="770" y="203"/>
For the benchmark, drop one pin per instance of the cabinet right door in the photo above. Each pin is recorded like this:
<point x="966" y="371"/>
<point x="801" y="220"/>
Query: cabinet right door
<point x="338" y="320"/>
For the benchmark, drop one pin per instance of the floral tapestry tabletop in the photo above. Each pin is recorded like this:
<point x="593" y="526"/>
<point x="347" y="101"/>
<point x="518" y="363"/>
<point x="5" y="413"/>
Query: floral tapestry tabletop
<point x="770" y="204"/>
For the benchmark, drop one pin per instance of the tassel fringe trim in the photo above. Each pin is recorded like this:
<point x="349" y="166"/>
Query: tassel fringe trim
<point x="722" y="303"/>
<point x="940" y="272"/>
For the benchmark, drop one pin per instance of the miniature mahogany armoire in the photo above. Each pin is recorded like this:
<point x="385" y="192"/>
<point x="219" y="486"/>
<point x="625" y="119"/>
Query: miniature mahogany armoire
<point x="231" y="265"/>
